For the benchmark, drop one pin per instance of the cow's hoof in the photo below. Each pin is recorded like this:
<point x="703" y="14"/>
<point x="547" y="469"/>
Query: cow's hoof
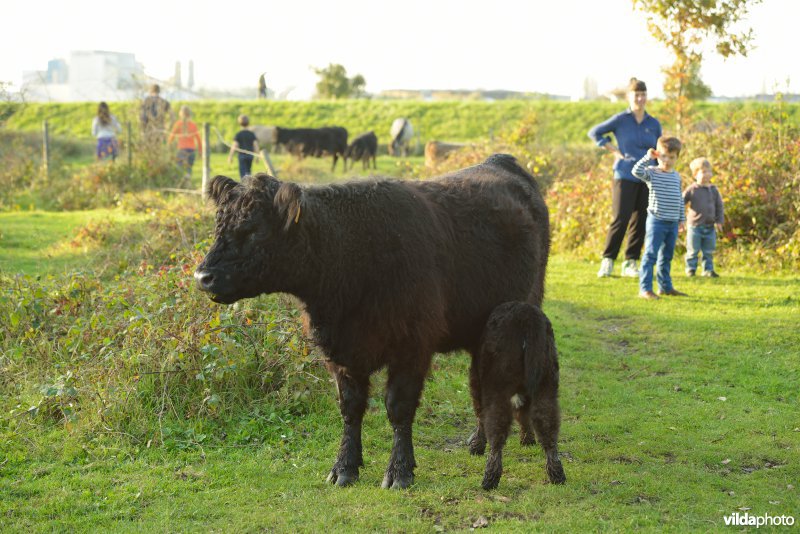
<point x="526" y="439"/>
<point x="341" y="477"/>
<point x="397" y="482"/>
<point x="477" y="443"/>
<point x="555" y="472"/>
<point x="490" y="480"/>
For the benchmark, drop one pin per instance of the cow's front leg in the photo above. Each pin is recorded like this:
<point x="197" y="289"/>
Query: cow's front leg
<point x="353" y="391"/>
<point x="476" y="441"/>
<point x="403" y="391"/>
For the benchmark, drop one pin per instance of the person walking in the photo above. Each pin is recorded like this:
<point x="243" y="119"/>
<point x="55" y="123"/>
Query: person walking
<point x="105" y="128"/>
<point x="635" y="132"/>
<point x="185" y="132"/>
<point x="245" y="146"/>
<point x="154" y="114"/>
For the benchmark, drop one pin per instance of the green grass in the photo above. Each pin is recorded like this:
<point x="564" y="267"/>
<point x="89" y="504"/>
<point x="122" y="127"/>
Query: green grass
<point x="675" y="414"/>
<point x="49" y="242"/>
<point x="561" y="122"/>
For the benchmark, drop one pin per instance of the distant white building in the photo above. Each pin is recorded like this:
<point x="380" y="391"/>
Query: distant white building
<point x="95" y="75"/>
<point x="88" y="75"/>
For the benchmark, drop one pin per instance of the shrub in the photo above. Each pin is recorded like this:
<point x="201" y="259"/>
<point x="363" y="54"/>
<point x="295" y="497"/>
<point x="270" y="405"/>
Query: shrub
<point x="131" y="344"/>
<point x="756" y="156"/>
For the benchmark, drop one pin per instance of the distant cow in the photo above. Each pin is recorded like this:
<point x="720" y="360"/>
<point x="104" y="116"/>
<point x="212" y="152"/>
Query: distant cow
<point x="389" y="273"/>
<point x="363" y="148"/>
<point x="437" y="151"/>
<point x="518" y="370"/>
<point x="400" y="135"/>
<point x="313" y="142"/>
<point x="265" y="135"/>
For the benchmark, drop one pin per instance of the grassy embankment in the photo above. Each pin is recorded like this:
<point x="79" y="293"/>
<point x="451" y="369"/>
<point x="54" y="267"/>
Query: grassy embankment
<point x="675" y="413"/>
<point x="464" y="121"/>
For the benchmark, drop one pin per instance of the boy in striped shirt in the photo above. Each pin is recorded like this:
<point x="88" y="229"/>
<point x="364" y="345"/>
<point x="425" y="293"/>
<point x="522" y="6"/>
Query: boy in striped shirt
<point x="665" y="216"/>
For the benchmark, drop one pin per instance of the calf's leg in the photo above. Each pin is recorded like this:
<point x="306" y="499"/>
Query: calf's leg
<point x="496" y="420"/>
<point x="546" y="420"/>
<point x="353" y="393"/>
<point x="527" y="436"/>
<point x="403" y="391"/>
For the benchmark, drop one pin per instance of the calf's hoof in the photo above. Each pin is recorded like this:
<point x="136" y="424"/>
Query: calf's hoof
<point x="555" y="472"/>
<point x="342" y="477"/>
<point x="397" y="481"/>
<point x="526" y="439"/>
<point x="491" y="479"/>
<point x="477" y="443"/>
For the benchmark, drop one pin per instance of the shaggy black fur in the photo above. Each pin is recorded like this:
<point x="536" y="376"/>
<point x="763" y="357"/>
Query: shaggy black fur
<point x="315" y="142"/>
<point x="363" y="148"/>
<point x="518" y="371"/>
<point x="389" y="272"/>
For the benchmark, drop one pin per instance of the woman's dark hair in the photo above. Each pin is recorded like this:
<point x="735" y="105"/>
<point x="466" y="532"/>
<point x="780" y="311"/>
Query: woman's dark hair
<point x="636" y="85"/>
<point x="103" y="113"/>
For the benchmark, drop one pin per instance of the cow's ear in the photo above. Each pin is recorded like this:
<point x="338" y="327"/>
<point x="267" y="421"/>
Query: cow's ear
<point x="220" y="187"/>
<point x="289" y="203"/>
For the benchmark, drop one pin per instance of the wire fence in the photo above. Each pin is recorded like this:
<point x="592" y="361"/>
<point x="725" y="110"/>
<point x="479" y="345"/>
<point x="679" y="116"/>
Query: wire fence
<point x="159" y="134"/>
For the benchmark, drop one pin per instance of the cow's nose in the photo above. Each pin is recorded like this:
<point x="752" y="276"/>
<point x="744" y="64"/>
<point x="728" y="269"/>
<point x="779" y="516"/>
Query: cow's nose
<point x="204" y="279"/>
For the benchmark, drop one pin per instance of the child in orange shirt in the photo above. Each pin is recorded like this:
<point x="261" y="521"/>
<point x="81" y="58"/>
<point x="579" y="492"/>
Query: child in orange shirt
<point x="185" y="131"/>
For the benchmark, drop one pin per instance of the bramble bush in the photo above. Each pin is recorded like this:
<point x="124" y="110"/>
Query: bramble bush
<point x="756" y="161"/>
<point x="130" y="348"/>
<point x="102" y="183"/>
<point x="66" y="187"/>
<point x="756" y="157"/>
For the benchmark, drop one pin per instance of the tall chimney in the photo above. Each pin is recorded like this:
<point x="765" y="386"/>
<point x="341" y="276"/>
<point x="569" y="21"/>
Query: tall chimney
<point x="177" y="79"/>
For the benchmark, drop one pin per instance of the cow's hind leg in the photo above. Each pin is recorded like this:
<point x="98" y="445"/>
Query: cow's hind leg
<point x="403" y="391"/>
<point x="353" y="392"/>
<point x="546" y="420"/>
<point x="496" y="421"/>
<point x="545" y="414"/>
<point x="527" y="436"/>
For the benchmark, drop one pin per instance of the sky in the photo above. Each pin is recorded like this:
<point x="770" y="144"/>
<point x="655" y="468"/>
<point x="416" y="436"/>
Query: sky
<point x="545" y="46"/>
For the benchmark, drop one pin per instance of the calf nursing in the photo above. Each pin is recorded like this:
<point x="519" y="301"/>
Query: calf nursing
<point x="389" y="272"/>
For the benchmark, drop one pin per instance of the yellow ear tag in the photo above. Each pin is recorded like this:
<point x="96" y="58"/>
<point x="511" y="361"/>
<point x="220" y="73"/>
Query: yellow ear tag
<point x="297" y="217"/>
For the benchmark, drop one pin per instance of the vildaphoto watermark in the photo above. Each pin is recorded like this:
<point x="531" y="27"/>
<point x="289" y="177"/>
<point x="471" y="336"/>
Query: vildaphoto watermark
<point x="749" y="520"/>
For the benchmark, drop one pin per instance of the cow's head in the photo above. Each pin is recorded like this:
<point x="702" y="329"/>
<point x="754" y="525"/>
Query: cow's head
<point x="253" y="238"/>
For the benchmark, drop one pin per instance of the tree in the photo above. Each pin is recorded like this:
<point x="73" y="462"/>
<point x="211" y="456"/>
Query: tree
<point x="335" y="84"/>
<point x="684" y="27"/>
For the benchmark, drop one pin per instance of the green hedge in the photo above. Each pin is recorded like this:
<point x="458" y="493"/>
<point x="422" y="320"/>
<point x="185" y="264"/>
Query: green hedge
<point x="559" y="122"/>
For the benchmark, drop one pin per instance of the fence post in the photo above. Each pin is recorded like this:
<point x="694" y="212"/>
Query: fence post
<point x="129" y="145"/>
<point x="206" y="158"/>
<point x="46" y="150"/>
<point x="265" y="155"/>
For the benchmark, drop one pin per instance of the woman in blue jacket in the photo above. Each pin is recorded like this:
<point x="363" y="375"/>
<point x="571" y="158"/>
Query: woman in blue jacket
<point x="635" y="132"/>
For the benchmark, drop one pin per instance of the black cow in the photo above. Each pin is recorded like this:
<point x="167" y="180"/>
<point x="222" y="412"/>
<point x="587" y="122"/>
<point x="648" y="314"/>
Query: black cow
<point x="363" y="148"/>
<point x="518" y="372"/>
<point x="314" y="142"/>
<point x="389" y="272"/>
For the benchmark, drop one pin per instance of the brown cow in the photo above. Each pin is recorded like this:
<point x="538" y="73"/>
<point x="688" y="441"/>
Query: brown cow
<point x="389" y="272"/>
<point x="437" y="151"/>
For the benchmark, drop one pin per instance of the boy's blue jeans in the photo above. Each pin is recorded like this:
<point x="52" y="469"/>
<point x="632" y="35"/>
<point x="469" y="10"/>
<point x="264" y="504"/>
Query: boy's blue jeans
<point x="701" y="239"/>
<point x="659" y="247"/>
<point x="245" y="165"/>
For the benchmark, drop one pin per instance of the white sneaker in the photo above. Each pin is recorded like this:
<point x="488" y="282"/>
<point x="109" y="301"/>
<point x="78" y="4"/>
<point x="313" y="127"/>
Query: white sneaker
<point x="629" y="269"/>
<point x="606" y="268"/>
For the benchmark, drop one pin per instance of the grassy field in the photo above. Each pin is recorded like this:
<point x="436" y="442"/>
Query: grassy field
<point x="676" y="413"/>
<point x="558" y="121"/>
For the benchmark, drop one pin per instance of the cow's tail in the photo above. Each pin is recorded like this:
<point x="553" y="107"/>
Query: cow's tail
<point x="538" y="349"/>
<point x="509" y="163"/>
